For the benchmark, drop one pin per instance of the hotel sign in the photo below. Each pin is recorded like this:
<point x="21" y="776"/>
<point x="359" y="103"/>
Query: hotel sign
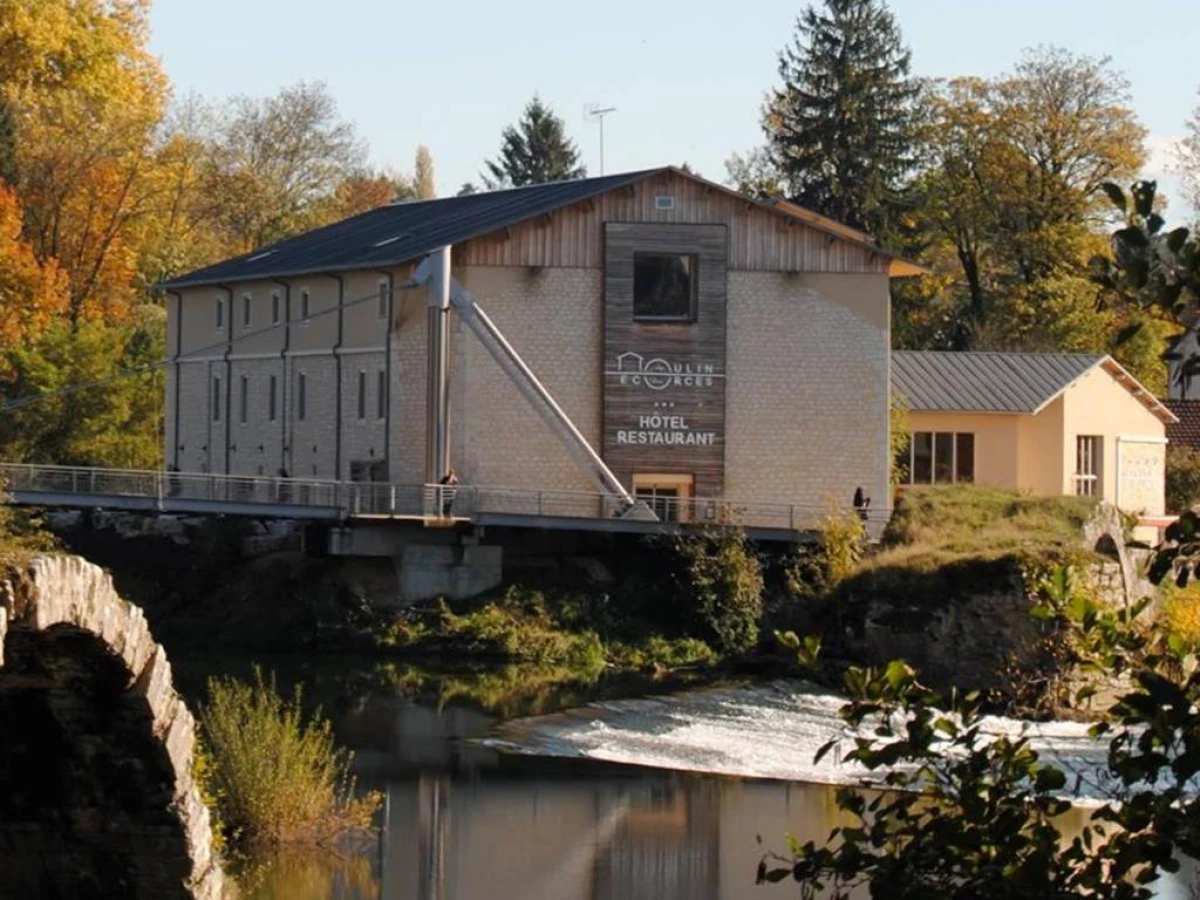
<point x="664" y="382"/>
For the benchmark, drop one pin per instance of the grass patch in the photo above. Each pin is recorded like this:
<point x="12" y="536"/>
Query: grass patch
<point x="273" y="774"/>
<point x="936" y="525"/>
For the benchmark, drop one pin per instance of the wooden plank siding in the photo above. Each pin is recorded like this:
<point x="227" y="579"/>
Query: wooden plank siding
<point x="677" y="369"/>
<point x="759" y="240"/>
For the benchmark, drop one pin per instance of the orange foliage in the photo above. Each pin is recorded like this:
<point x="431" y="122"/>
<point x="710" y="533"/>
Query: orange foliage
<point x="32" y="294"/>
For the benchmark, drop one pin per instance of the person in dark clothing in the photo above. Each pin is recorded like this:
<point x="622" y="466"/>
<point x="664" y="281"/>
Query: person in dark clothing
<point x="862" y="504"/>
<point x="449" y="485"/>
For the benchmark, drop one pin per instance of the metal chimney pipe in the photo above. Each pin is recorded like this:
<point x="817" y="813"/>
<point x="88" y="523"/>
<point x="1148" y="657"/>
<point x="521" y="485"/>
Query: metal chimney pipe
<point x="437" y="397"/>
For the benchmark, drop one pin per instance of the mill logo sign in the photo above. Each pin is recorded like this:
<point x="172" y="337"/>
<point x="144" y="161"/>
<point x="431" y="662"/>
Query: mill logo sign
<point x="658" y="374"/>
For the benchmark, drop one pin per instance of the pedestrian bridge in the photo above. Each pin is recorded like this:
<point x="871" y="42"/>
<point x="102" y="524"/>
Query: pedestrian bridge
<point x="434" y="505"/>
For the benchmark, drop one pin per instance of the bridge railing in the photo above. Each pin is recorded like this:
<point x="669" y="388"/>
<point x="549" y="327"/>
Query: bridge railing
<point x="354" y="499"/>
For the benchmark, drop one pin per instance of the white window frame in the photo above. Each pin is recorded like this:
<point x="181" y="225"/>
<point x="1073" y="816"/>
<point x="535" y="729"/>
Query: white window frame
<point x="1089" y="465"/>
<point x="305" y="307"/>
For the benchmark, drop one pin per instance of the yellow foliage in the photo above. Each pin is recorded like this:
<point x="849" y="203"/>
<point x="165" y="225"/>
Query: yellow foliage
<point x="1181" y="613"/>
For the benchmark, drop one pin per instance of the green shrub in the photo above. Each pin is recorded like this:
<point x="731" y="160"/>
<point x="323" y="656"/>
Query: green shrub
<point x="1182" y="477"/>
<point x="274" y="774"/>
<point x="21" y="531"/>
<point x="722" y="586"/>
<point x="1181" y="615"/>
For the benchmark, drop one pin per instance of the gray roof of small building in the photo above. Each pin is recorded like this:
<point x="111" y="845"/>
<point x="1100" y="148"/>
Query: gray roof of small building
<point x="945" y="381"/>
<point x="401" y="232"/>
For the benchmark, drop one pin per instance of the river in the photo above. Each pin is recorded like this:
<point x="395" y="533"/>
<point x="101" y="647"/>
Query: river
<point x="617" y="799"/>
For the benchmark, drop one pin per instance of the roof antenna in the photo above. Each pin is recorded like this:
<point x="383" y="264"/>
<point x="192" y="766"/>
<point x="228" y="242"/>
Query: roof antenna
<point x="594" y="112"/>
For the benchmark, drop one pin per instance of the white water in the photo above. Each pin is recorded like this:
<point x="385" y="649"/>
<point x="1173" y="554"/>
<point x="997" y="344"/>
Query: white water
<point x="766" y="731"/>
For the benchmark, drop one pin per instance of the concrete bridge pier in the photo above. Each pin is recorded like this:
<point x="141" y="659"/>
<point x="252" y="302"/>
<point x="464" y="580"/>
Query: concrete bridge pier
<point x="430" y="562"/>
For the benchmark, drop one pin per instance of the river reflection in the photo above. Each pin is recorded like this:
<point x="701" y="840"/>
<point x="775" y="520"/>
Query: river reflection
<point x="462" y="822"/>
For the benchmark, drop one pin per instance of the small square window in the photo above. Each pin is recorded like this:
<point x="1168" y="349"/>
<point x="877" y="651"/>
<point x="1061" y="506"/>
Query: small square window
<point x="664" y="287"/>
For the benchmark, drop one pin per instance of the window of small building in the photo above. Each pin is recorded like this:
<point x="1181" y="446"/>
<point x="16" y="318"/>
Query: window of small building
<point x="382" y="300"/>
<point x="243" y="399"/>
<point x="220" y="313"/>
<point x="247" y="303"/>
<point x="381" y="397"/>
<point x="942" y="457"/>
<point x="301" y="396"/>
<point x="271" y="401"/>
<point x="664" y="287"/>
<point x="275" y="301"/>
<point x="216" y="399"/>
<point x="304" y="304"/>
<point x="362" y="395"/>
<point x="1088" y="451"/>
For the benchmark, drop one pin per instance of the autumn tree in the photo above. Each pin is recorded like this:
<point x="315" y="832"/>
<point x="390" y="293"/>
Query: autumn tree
<point x="1012" y="206"/>
<point x="1188" y="159"/>
<point x="87" y="96"/>
<point x="534" y="151"/>
<point x="277" y="163"/>
<point x="33" y="294"/>
<point x="841" y="127"/>
<point x="423" y="183"/>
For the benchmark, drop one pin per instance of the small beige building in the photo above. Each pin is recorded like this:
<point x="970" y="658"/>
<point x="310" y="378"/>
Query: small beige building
<point x="1047" y="423"/>
<point x="707" y="345"/>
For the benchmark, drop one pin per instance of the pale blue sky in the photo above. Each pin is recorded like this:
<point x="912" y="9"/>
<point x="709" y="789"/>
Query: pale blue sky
<point x="687" y="78"/>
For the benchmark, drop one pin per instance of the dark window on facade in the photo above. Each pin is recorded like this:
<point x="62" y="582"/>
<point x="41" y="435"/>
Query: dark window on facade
<point x="243" y="399"/>
<point x="382" y="311"/>
<point x="664" y="287"/>
<point x="275" y="307"/>
<point x="271" y="399"/>
<point x="304" y="305"/>
<point x="381" y="395"/>
<point x="941" y="457"/>
<point x="216" y="399"/>
<point x="301" y="397"/>
<point x="362" y="395"/>
<point x="220" y="313"/>
<point x="247" y="301"/>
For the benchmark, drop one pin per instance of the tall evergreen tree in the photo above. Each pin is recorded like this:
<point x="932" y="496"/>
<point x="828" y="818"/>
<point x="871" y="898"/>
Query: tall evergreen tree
<point x="534" y="151"/>
<point x="841" y="128"/>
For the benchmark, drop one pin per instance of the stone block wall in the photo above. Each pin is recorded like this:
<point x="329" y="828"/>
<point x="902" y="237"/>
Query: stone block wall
<point x="96" y="791"/>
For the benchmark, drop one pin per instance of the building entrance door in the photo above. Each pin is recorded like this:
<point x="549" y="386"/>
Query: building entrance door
<point x="668" y="495"/>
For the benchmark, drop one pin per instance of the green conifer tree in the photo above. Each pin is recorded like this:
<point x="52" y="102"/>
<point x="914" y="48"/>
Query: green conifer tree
<point x="841" y="128"/>
<point x="534" y="151"/>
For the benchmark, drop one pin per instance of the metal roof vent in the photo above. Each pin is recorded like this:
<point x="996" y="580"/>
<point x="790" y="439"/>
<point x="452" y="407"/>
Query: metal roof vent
<point x="664" y="201"/>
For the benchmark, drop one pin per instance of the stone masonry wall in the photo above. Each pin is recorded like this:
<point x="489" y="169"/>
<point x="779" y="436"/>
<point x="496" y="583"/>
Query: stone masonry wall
<point x="96" y="791"/>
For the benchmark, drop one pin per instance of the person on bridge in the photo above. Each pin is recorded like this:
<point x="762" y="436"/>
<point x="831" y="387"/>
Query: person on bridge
<point x="449" y="485"/>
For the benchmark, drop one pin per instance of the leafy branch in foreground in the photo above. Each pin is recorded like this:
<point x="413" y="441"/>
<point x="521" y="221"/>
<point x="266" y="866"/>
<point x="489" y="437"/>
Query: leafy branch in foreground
<point x="960" y="810"/>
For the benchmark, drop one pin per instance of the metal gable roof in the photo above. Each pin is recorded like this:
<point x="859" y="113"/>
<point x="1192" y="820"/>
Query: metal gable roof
<point x="401" y="232"/>
<point x="946" y="381"/>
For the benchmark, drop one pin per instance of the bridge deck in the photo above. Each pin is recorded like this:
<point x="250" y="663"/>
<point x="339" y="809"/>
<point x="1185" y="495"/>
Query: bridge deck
<point x="333" y="501"/>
